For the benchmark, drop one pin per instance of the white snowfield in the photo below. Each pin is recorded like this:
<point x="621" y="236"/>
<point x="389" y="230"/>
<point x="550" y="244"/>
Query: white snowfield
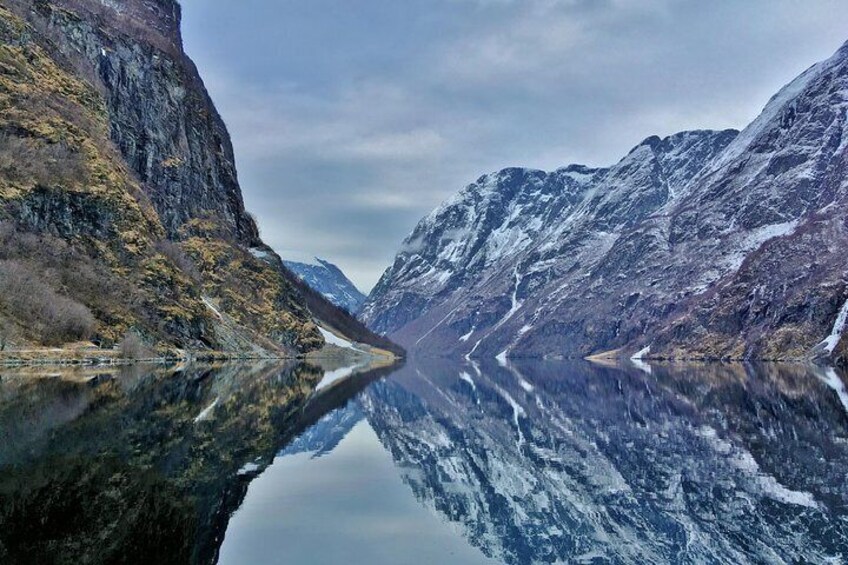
<point x="333" y="339"/>
<point x="831" y="341"/>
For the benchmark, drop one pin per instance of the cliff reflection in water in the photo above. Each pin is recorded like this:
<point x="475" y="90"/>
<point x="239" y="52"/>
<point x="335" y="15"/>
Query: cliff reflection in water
<point x="145" y="465"/>
<point x="532" y="462"/>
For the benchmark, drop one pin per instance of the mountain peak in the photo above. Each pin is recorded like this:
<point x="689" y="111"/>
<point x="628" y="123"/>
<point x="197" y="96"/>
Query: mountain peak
<point x="329" y="280"/>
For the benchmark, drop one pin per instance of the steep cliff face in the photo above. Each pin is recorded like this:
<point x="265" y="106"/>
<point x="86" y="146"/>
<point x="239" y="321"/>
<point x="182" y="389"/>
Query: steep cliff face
<point x="705" y="244"/>
<point x="161" y="117"/>
<point x="112" y="147"/>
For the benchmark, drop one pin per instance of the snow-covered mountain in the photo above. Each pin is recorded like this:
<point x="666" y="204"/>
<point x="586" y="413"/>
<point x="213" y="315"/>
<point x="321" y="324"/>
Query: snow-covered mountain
<point x="330" y="281"/>
<point x="705" y="243"/>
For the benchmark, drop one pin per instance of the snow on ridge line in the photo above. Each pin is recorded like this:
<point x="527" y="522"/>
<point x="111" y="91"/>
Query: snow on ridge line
<point x="784" y="97"/>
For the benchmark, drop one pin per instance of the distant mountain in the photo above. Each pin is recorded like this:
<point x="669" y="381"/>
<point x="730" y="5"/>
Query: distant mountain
<point x="701" y="244"/>
<point x="330" y="281"/>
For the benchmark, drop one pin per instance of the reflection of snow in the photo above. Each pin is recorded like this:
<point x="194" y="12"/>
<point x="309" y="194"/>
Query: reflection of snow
<point x="745" y="462"/>
<point x="637" y="360"/>
<point x="467" y="378"/>
<point x="831" y="379"/>
<point x="331" y="377"/>
<point x="207" y="412"/>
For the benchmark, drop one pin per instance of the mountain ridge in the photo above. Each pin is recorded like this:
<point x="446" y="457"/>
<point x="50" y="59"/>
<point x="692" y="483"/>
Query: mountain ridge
<point x="633" y="256"/>
<point x="330" y="281"/>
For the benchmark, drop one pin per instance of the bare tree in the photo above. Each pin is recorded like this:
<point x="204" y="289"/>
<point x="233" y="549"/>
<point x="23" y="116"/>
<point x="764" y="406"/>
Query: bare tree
<point x="56" y="318"/>
<point x="133" y="347"/>
<point x="8" y="334"/>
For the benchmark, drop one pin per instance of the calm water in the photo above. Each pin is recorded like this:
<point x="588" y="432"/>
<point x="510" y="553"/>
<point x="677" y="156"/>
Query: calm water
<point x="431" y="462"/>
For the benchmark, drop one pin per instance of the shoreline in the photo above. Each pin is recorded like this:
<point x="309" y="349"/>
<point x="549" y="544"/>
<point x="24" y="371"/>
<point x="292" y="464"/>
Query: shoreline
<point x="111" y="358"/>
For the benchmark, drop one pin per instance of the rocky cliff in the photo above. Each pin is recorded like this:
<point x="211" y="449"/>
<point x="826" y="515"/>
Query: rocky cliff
<point x="702" y="244"/>
<point x="113" y="150"/>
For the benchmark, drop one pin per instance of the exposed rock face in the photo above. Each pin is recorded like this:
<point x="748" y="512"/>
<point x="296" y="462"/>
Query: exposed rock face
<point x="708" y="244"/>
<point x="330" y="281"/>
<point x="107" y="87"/>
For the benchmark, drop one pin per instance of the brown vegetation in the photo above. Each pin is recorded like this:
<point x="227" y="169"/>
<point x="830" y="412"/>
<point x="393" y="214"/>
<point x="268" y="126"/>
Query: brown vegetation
<point x="179" y="259"/>
<point x="133" y="347"/>
<point x="54" y="319"/>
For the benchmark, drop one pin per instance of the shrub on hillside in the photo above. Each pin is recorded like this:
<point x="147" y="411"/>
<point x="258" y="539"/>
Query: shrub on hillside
<point x="45" y="164"/>
<point x="178" y="258"/>
<point x="54" y="319"/>
<point x="133" y="347"/>
<point x="8" y="334"/>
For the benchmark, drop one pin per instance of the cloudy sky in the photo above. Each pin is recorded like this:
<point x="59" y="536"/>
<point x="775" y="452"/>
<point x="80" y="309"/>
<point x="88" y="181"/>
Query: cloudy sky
<point x="352" y="119"/>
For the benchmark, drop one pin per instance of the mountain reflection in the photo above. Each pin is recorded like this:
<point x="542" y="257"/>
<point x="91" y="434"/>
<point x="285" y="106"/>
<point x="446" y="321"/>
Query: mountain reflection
<point x="546" y="462"/>
<point x="533" y="462"/>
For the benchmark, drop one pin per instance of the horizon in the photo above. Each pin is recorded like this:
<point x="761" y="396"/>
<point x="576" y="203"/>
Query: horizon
<point x="358" y="120"/>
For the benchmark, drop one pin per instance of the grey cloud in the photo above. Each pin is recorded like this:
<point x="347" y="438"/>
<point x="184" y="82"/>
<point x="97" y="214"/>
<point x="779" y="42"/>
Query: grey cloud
<point x="351" y="120"/>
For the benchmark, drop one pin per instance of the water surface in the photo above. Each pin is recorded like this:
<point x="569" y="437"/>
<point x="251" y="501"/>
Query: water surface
<point x="431" y="462"/>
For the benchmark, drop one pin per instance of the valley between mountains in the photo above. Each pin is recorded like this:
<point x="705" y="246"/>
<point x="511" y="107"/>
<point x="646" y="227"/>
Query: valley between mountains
<point x="124" y="229"/>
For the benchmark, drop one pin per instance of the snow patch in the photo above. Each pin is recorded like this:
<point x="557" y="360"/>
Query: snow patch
<point x="829" y="343"/>
<point x="248" y="469"/>
<point x="641" y="354"/>
<point x="212" y="307"/>
<point x="467" y="336"/>
<point x="467" y="378"/>
<point x="333" y="339"/>
<point x="258" y="253"/>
